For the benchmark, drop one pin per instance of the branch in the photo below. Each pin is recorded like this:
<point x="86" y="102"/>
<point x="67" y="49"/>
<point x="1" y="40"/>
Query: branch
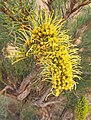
<point x="47" y="4"/>
<point x="26" y="81"/>
<point x="44" y="96"/>
<point x="22" y="8"/>
<point x="41" y="100"/>
<point x="3" y="9"/>
<point x="63" y="112"/>
<point x="41" y="103"/>
<point x="81" y="5"/>
<point x="6" y="10"/>
<point x="49" y="103"/>
<point x="69" y="13"/>
<point x="44" y="104"/>
<point x="25" y="86"/>
<point x="4" y="90"/>
<point x="24" y="94"/>
<point x="71" y="4"/>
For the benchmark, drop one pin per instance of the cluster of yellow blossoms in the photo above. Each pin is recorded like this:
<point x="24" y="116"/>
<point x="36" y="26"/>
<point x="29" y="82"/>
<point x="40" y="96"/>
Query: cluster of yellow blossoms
<point x="52" y="48"/>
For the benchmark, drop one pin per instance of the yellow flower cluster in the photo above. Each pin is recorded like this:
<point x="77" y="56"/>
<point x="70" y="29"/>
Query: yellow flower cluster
<point x="44" y="31"/>
<point x="52" y="49"/>
<point x="59" y="71"/>
<point x="62" y="78"/>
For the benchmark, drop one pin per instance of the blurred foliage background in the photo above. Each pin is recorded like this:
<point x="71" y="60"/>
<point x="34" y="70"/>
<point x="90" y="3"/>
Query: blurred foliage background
<point x="12" y="16"/>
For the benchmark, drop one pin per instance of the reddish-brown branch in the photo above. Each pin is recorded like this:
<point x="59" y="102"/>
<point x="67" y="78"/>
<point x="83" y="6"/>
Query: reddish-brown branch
<point x="69" y="13"/>
<point x="81" y="5"/>
<point x="4" y="92"/>
<point x="7" y="13"/>
<point x="48" y="4"/>
<point x="7" y="87"/>
<point x="21" y="5"/>
<point x="72" y="4"/>
<point x="6" y="10"/>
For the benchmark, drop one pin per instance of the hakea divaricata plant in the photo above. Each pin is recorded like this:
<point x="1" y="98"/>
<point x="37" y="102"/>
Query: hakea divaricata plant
<point x="52" y="47"/>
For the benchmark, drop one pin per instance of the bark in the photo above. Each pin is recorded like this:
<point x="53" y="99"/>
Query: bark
<point x="73" y="7"/>
<point x="44" y="4"/>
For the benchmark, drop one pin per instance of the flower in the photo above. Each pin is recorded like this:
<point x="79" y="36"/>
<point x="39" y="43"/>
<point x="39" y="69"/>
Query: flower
<point x="52" y="48"/>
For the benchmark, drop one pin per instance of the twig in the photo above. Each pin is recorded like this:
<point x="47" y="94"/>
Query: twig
<point x="4" y="92"/>
<point x="22" y="8"/>
<point x="41" y="100"/>
<point x="7" y="87"/>
<point x="24" y="94"/>
<point x="26" y="81"/>
<point x="41" y="103"/>
<point x="63" y="112"/>
<point x="49" y="103"/>
<point x="25" y="86"/>
<point x="48" y="3"/>
<point x="44" y="104"/>
<point x="44" y="96"/>
<point x="69" y="13"/>
<point x="7" y="13"/>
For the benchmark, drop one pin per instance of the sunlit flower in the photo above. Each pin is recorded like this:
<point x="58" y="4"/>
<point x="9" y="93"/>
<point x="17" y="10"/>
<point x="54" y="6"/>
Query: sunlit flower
<point x="52" y="47"/>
